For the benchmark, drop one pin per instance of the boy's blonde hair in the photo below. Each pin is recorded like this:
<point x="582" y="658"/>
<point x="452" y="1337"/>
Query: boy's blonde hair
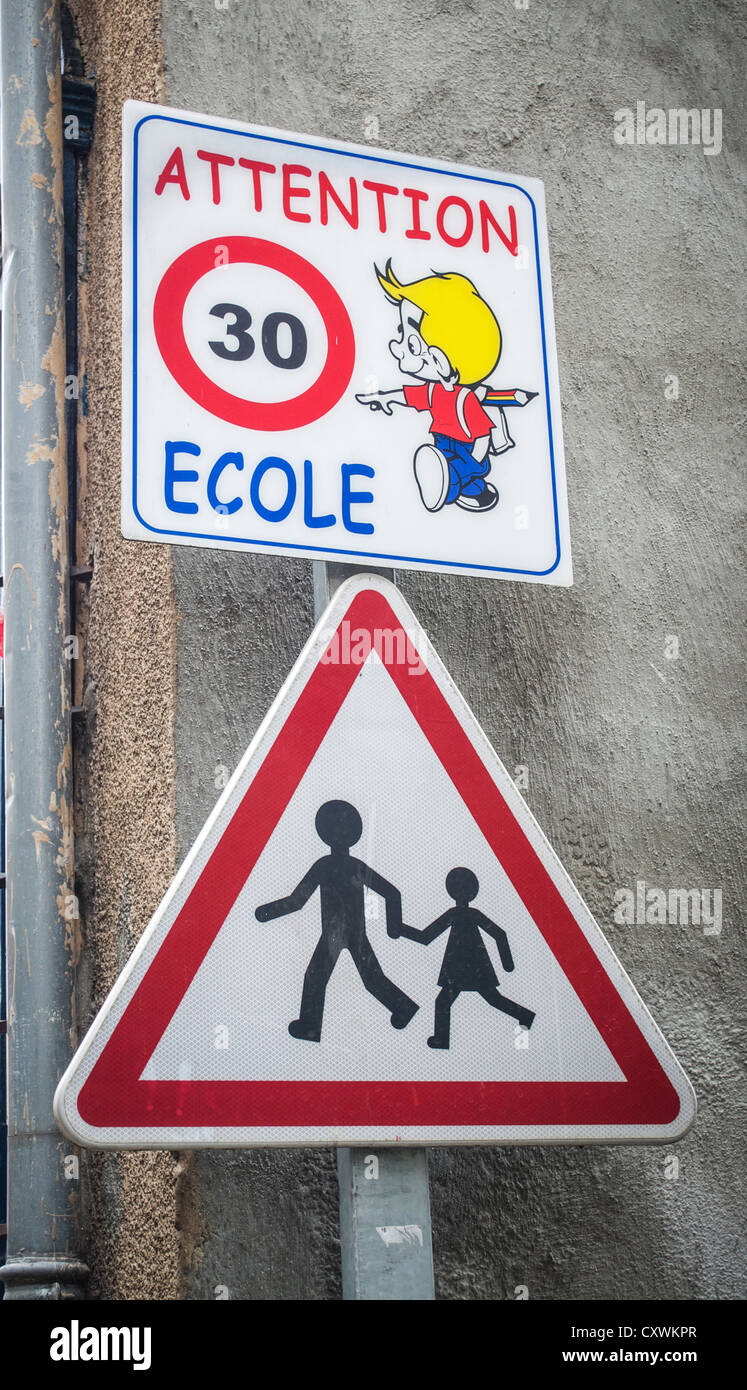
<point x="455" y="319"/>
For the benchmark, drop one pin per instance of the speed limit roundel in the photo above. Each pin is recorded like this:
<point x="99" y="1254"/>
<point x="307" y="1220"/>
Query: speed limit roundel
<point x="249" y="337"/>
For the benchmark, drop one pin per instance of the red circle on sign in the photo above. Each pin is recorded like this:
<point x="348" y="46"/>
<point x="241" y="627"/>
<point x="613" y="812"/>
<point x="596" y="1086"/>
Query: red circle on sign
<point x="168" y="313"/>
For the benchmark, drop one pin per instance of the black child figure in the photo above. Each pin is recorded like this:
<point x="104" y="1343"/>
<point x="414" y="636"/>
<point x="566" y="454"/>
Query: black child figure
<point x="466" y="963"/>
<point x="341" y="879"/>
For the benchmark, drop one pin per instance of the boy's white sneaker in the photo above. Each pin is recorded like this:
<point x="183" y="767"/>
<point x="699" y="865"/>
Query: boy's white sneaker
<point x="431" y="476"/>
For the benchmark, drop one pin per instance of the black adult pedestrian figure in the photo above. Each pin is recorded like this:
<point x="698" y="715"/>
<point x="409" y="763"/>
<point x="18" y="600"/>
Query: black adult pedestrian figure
<point x="466" y="964"/>
<point x="341" y="879"/>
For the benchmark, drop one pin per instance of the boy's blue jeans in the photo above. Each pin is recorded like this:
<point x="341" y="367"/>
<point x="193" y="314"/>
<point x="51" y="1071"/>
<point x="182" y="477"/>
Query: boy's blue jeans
<point x="466" y="474"/>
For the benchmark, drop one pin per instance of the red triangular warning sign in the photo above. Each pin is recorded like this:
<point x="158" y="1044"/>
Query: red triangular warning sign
<point x="372" y="941"/>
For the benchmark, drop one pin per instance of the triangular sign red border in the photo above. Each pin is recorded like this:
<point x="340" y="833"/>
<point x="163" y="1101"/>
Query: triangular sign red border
<point x="114" y="1096"/>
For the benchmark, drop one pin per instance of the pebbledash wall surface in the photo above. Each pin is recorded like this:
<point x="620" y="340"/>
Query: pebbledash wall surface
<point x="619" y="697"/>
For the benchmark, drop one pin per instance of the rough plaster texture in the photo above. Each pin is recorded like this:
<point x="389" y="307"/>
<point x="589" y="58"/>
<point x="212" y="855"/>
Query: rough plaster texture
<point x="125" y="841"/>
<point x="633" y="759"/>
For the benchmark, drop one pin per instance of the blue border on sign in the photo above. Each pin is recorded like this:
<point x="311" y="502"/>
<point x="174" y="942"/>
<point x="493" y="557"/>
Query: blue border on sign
<point x="325" y="549"/>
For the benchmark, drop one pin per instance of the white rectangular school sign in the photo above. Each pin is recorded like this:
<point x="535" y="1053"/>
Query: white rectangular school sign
<point x="337" y="352"/>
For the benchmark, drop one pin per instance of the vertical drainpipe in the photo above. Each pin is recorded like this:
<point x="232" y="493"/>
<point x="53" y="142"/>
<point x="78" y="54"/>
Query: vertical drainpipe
<point x="42" y="1261"/>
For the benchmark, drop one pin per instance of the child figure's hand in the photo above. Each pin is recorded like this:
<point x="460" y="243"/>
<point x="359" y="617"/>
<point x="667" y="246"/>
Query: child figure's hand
<point x="375" y="401"/>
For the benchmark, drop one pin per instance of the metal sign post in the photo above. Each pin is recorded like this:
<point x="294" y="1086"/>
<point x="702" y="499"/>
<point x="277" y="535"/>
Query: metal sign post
<point x="385" y="1208"/>
<point x="385" y="1224"/>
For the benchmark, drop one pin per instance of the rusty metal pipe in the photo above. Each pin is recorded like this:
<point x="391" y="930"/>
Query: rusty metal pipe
<point x="41" y="916"/>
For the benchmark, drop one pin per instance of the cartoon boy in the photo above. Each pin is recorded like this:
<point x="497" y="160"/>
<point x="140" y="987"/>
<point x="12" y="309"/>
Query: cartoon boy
<point x="450" y="340"/>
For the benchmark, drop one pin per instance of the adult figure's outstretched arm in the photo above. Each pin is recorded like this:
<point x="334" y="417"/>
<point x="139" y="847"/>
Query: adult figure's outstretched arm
<point x="294" y="900"/>
<point x="392" y="900"/>
<point x="428" y="934"/>
<point x="499" y="937"/>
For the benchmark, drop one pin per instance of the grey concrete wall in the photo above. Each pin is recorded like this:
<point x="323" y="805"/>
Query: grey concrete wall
<point x="634" y="758"/>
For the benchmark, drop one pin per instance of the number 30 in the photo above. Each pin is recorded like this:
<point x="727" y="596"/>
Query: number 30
<point x="245" y="344"/>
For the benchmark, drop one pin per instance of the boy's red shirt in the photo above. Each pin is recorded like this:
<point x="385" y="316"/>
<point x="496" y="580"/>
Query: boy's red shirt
<point x="446" y="419"/>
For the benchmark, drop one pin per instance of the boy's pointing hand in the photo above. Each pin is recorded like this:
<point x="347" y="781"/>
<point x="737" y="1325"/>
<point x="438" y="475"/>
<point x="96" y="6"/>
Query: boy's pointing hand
<point x="375" y="401"/>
